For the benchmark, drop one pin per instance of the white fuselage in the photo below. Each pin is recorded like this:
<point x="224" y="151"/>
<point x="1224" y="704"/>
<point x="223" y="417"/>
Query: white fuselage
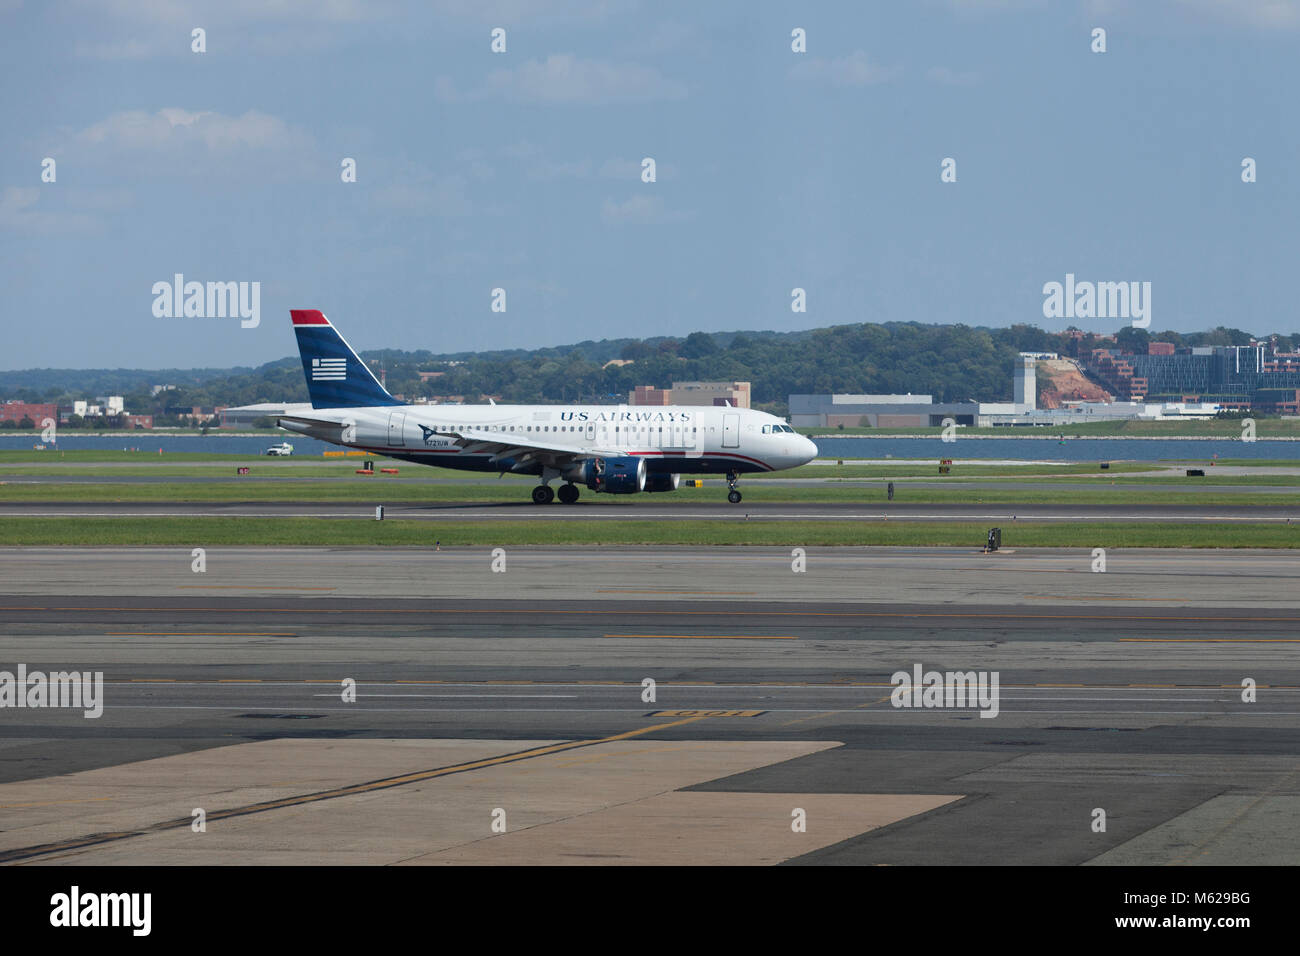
<point x="671" y="438"/>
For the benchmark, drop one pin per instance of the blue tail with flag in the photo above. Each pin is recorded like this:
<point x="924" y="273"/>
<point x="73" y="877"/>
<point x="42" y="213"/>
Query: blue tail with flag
<point x="336" y="376"/>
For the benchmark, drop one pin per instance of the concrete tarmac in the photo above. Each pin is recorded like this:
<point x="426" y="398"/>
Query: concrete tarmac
<point x="672" y="511"/>
<point x="379" y="706"/>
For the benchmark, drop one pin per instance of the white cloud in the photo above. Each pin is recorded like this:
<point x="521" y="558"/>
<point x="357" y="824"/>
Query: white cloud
<point x="17" y="201"/>
<point x="1252" y="14"/>
<point x="143" y="29"/>
<point x="992" y="6"/>
<point x="950" y="77"/>
<point x="173" y="128"/>
<point x="640" y="210"/>
<point x="201" y="12"/>
<point x="507" y="12"/>
<point x="543" y="170"/>
<point x="181" y="144"/>
<point x="21" y="211"/>
<point x="1264" y="14"/>
<point x="663" y="38"/>
<point x="140" y="29"/>
<point x="425" y="195"/>
<point x="565" y="78"/>
<point x="852" y="70"/>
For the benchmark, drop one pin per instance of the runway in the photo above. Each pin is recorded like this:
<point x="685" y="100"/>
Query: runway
<point x="648" y="511"/>
<point x="516" y="491"/>
<point x="525" y="690"/>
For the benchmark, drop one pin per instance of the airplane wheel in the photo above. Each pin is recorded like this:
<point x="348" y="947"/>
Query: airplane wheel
<point x="734" y="497"/>
<point x="543" y="495"/>
<point x="568" y="494"/>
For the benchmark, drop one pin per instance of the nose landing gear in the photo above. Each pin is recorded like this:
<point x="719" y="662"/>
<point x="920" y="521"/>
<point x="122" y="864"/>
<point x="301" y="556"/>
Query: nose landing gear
<point x="733" y="495"/>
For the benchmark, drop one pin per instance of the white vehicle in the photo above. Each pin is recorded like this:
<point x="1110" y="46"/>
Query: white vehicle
<point x="617" y="449"/>
<point x="284" y="448"/>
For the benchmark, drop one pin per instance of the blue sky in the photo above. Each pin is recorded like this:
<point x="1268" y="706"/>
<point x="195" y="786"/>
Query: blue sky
<point x="521" y="170"/>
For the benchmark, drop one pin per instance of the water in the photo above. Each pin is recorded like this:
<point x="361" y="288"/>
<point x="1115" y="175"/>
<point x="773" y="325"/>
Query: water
<point x="1072" y="449"/>
<point x="147" y="441"/>
<point x="1025" y="449"/>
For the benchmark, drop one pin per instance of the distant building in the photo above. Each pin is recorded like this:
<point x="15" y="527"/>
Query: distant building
<point x="1026" y="381"/>
<point x="649" y="395"/>
<point x="1233" y="377"/>
<point x="693" y="393"/>
<point x="195" y="413"/>
<point x="137" y="421"/>
<point x="877" y="411"/>
<point x="832" y="411"/>
<point x="15" y="411"/>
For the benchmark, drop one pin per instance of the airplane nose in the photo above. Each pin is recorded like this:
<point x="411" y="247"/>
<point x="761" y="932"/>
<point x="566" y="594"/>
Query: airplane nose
<point x="807" y="451"/>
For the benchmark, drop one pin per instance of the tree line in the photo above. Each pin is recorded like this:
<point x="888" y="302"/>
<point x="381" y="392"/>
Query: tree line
<point x="949" y="362"/>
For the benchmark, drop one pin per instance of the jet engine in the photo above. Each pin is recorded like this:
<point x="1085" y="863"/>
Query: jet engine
<point x="662" y="482"/>
<point x="618" y="476"/>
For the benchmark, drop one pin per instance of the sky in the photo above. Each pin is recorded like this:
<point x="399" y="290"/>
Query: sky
<point x="522" y="170"/>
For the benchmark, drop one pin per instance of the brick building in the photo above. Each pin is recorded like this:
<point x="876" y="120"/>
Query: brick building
<point x="15" y="411"/>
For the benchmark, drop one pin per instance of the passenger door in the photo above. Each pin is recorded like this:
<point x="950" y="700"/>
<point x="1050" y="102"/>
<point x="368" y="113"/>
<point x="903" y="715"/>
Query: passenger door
<point x="730" y="431"/>
<point x="396" y="429"/>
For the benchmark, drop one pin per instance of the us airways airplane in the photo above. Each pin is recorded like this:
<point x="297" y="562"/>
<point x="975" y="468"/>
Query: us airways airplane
<point x="618" y="449"/>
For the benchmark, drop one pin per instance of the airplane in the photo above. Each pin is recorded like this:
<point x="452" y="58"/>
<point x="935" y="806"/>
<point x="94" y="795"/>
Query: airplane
<point x="615" y="449"/>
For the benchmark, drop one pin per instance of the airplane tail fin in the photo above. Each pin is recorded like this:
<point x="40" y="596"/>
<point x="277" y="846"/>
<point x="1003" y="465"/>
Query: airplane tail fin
<point x="336" y="376"/>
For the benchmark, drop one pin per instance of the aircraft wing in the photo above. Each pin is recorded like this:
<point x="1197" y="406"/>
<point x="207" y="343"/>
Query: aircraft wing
<point x="513" y="445"/>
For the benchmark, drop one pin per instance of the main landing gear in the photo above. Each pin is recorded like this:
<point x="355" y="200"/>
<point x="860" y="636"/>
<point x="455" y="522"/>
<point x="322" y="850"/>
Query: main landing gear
<point x="544" y="495"/>
<point x="733" y="495"/>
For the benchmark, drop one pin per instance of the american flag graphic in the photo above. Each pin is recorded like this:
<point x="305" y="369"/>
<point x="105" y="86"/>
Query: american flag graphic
<point x="329" y="369"/>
